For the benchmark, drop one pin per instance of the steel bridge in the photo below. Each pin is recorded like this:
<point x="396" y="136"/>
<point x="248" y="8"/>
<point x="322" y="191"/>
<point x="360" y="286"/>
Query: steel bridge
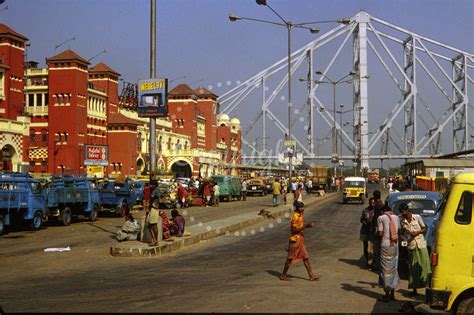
<point x="413" y="128"/>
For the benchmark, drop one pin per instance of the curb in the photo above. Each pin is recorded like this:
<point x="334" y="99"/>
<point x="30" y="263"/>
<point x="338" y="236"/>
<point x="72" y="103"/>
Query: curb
<point x="143" y="250"/>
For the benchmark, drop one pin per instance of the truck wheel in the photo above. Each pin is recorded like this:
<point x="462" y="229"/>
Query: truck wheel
<point x="94" y="213"/>
<point x="37" y="221"/>
<point x="466" y="306"/>
<point x="2" y="225"/>
<point x="66" y="215"/>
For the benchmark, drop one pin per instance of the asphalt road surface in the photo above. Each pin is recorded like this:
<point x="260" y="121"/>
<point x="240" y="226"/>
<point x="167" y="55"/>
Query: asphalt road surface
<point x="233" y="273"/>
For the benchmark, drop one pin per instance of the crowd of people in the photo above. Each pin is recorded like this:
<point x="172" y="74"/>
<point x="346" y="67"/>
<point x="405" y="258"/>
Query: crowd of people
<point x="382" y="232"/>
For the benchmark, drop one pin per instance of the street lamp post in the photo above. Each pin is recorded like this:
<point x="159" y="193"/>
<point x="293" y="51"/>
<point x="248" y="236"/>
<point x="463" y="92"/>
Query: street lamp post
<point x="334" y="157"/>
<point x="289" y="26"/>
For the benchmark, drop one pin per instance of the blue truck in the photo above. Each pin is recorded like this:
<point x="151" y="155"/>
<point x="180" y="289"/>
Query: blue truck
<point x="22" y="201"/>
<point x="118" y="196"/>
<point x="70" y="196"/>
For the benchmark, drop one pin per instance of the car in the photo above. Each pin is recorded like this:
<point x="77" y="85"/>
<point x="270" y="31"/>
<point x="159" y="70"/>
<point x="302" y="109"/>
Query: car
<point x="355" y="188"/>
<point x="423" y="203"/>
<point x="256" y="186"/>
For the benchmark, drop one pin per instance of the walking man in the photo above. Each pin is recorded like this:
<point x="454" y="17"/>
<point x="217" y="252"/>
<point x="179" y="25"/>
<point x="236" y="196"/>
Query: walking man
<point x="296" y="248"/>
<point x="243" y="191"/>
<point x="365" y="231"/>
<point x="418" y="258"/>
<point x="276" y="192"/>
<point x="388" y="225"/>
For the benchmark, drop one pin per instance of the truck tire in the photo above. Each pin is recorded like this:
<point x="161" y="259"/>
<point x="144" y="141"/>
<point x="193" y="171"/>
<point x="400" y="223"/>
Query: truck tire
<point x="66" y="216"/>
<point x="94" y="213"/>
<point x="37" y="221"/>
<point x="2" y="225"/>
<point x="466" y="306"/>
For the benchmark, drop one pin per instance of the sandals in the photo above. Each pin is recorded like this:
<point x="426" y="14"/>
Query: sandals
<point x="284" y="277"/>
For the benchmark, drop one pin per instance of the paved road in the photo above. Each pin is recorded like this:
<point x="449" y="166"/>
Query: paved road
<point x="234" y="273"/>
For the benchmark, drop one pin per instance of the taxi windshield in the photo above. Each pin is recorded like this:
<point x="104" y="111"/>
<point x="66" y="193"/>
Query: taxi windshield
<point x="354" y="183"/>
<point x="421" y="207"/>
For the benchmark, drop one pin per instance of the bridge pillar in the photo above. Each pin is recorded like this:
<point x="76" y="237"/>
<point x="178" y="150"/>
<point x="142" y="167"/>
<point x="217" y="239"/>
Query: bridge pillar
<point x="361" y="104"/>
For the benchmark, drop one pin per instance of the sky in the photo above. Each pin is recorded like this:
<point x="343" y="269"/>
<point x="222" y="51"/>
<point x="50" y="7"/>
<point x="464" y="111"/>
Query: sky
<point x="195" y="39"/>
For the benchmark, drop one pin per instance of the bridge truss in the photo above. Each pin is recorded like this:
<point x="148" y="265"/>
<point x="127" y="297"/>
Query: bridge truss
<point x="411" y="130"/>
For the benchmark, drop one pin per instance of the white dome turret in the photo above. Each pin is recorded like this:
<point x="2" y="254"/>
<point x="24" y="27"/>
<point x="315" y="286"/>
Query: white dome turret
<point x="224" y="119"/>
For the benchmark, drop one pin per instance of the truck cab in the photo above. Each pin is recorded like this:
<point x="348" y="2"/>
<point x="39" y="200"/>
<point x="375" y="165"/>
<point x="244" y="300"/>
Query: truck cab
<point x="21" y="201"/>
<point x="452" y="259"/>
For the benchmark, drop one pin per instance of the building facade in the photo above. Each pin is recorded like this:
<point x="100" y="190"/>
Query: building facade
<point x="54" y="120"/>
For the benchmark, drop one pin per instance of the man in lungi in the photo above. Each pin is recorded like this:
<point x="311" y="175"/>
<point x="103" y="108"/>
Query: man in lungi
<point x="296" y="248"/>
<point x="388" y="226"/>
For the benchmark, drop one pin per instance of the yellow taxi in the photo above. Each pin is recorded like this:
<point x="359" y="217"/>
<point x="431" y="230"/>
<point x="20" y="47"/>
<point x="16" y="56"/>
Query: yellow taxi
<point x="452" y="259"/>
<point x="355" y="188"/>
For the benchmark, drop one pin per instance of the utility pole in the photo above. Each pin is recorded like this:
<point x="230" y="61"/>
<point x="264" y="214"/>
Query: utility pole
<point x="152" y="75"/>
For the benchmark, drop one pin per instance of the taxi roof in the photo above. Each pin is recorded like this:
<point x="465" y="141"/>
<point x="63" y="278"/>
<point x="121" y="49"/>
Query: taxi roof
<point x="410" y="195"/>
<point x="464" y="178"/>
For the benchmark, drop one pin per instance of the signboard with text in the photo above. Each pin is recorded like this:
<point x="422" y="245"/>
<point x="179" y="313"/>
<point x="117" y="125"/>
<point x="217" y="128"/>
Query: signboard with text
<point x="96" y="154"/>
<point x="153" y="98"/>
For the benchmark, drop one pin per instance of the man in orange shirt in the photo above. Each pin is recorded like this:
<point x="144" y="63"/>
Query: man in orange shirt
<point x="296" y="248"/>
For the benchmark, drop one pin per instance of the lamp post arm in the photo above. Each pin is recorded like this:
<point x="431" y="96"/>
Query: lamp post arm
<point x="263" y="21"/>
<point x="339" y="81"/>
<point x="276" y="13"/>
<point x="316" y="22"/>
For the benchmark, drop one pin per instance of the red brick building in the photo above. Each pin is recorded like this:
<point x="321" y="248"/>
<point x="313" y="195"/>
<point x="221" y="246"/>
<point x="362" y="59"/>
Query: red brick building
<point x="13" y="125"/>
<point x="47" y="124"/>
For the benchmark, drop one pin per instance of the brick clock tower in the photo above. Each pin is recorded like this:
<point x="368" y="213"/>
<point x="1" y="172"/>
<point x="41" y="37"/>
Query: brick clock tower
<point x="68" y="85"/>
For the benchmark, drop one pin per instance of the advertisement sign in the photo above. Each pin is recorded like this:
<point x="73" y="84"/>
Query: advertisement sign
<point x="153" y="98"/>
<point x="96" y="154"/>
<point x="296" y="159"/>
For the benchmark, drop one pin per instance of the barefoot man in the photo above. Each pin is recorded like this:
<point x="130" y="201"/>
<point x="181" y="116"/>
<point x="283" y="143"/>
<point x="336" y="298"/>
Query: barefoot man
<point x="296" y="249"/>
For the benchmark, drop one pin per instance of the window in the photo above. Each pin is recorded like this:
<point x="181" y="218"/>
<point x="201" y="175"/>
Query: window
<point x="65" y="137"/>
<point x="32" y="137"/>
<point x="31" y="99"/>
<point x="44" y="164"/>
<point x="44" y="137"/>
<point x="39" y="99"/>
<point x="32" y="163"/>
<point x="464" y="211"/>
<point x="46" y="99"/>
<point x="2" y="83"/>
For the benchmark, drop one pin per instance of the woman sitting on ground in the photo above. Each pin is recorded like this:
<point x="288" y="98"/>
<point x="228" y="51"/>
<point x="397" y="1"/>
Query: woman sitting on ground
<point x="177" y="224"/>
<point x="166" y="225"/>
<point x="130" y="229"/>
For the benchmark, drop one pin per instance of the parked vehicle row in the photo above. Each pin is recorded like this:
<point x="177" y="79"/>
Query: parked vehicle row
<point x="24" y="201"/>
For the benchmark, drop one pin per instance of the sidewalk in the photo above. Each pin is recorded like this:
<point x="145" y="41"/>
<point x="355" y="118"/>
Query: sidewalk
<point x="209" y="228"/>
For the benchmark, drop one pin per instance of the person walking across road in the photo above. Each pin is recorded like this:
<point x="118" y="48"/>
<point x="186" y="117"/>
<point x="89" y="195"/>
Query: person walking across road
<point x="298" y="194"/>
<point x="243" y="191"/>
<point x="276" y="192"/>
<point x="296" y="248"/>
<point x="418" y="258"/>
<point x="207" y="193"/>
<point x="388" y="226"/>
<point x="365" y="231"/>
<point x="217" y="193"/>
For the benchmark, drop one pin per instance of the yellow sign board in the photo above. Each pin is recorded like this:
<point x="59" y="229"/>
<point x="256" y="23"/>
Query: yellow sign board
<point x="289" y="144"/>
<point x="151" y="85"/>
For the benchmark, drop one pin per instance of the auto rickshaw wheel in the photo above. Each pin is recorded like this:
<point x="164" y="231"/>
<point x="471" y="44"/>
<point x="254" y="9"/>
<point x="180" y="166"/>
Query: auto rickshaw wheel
<point x="94" y="213"/>
<point x="2" y="225"/>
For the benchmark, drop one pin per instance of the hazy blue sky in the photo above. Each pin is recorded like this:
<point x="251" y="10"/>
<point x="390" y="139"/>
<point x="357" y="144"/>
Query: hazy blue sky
<point x="195" y="39"/>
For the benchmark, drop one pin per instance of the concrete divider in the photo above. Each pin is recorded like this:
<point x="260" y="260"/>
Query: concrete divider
<point x="205" y="231"/>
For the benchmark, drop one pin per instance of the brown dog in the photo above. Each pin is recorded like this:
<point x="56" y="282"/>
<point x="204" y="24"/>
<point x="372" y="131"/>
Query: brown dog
<point x="266" y="214"/>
